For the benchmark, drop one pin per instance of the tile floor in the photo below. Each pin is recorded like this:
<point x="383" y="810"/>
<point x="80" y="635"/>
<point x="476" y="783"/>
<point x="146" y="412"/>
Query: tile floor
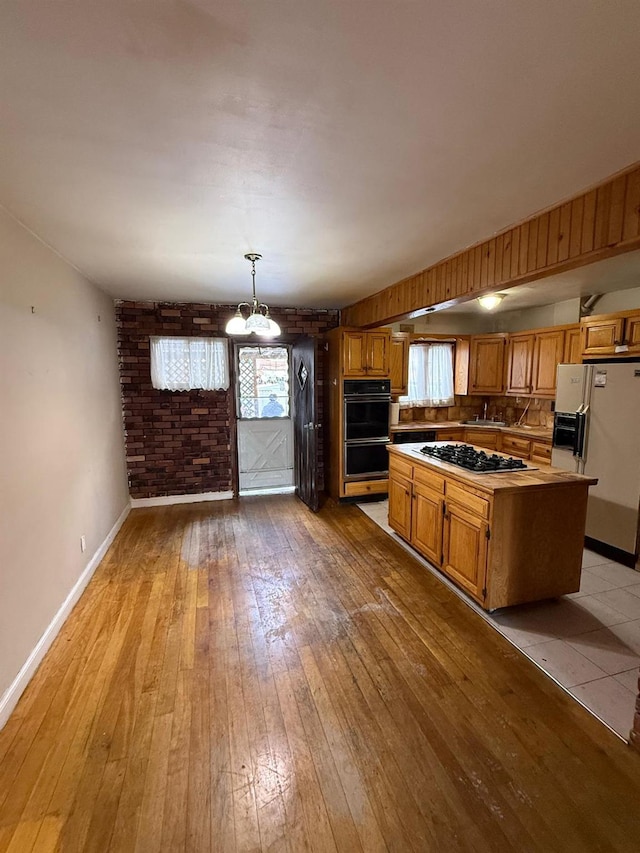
<point x="588" y="642"/>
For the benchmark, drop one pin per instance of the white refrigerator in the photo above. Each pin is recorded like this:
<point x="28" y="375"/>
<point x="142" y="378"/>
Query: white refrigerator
<point x="597" y="432"/>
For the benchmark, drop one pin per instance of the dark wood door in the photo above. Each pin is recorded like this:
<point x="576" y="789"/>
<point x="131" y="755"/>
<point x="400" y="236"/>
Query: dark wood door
<point x="305" y="421"/>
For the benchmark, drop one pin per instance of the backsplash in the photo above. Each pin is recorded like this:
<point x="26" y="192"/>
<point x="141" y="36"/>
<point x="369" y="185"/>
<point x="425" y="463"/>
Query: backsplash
<point x="500" y="408"/>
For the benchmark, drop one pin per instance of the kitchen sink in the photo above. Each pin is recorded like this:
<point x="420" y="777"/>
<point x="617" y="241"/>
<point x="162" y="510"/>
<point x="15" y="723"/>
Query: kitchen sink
<point x="484" y="422"/>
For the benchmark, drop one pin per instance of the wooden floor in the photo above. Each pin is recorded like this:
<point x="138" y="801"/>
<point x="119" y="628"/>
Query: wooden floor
<point x="250" y="676"/>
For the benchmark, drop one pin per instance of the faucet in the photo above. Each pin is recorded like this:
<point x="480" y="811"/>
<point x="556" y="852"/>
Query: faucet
<point x="484" y="411"/>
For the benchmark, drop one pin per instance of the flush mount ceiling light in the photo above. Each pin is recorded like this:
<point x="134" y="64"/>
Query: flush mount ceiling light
<point x="258" y="322"/>
<point x="490" y="301"/>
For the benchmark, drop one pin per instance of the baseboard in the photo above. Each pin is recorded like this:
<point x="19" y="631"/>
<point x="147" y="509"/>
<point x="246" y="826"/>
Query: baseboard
<point x="168" y="500"/>
<point x="10" y="698"/>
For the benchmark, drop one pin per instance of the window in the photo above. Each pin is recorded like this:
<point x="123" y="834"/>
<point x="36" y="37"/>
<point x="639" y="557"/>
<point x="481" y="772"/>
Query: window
<point x="430" y="375"/>
<point x="180" y="364"/>
<point x="263" y="382"/>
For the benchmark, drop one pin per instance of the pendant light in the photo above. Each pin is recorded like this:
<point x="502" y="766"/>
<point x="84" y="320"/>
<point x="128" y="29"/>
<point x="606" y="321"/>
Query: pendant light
<point x="258" y="322"/>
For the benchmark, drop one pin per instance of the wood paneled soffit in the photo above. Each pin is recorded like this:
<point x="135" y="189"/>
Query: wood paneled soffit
<point x="597" y="224"/>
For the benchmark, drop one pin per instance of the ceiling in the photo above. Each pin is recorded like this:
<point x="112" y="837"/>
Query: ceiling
<point x="351" y="142"/>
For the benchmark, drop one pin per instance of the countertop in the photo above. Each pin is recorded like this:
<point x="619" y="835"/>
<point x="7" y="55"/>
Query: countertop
<point x="545" y="477"/>
<point x="532" y="432"/>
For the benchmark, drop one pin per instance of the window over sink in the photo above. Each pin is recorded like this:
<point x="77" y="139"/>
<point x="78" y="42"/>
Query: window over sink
<point x="430" y="375"/>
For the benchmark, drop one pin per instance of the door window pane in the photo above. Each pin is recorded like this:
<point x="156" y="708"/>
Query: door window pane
<point x="263" y="382"/>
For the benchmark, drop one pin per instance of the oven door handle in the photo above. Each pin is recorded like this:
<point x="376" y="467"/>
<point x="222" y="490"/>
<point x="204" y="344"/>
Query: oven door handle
<point x="354" y="442"/>
<point x="367" y="398"/>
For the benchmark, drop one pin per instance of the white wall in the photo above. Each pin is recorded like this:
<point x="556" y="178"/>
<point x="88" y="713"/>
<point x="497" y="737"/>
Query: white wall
<point x="619" y="300"/>
<point x="62" y="470"/>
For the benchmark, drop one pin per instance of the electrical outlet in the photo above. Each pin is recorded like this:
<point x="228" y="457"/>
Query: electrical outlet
<point x="83" y="544"/>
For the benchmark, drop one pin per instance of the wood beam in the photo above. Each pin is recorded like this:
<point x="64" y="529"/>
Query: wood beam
<point x="602" y="222"/>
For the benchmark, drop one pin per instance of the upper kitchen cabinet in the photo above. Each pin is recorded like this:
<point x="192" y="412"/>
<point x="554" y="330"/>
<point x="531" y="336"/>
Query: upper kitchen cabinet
<point x="532" y="361"/>
<point x="486" y="364"/>
<point x="366" y="353"/>
<point x="399" y="363"/>
<point x="572" y="346"/>
<point x="548" y="350"/>
<point x="519" y="361"/>
<point x="611" y="335"/>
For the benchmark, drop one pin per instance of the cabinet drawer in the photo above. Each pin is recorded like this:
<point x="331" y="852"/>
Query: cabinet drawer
<point x="400" y="467"/>
<point x="540" y="452"/>
<point x="481" y="438"/>
<point x="517" y="446"/>
<point x="366" y="487"/>
<point x="468" y="500"/>
<point x="429" y="478"/>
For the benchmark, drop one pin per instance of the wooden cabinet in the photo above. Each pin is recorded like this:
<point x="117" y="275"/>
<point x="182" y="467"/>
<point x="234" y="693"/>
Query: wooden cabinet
<point x="426" y="522"/>
<point x="366" y="353"/>
<point x="548" y="350"/>
<point x="540" y="452"/>
<point x="514" y="445"/>
<point x="486" y="364"/>
<point x="399" y="363"/>
<point x="503" y="539"/>
<point x="533" y="358"/>
<point x="464" y="549"/>
<point x="616" y="335"/>
<point x="482" y="438"/>
<point x="572" y="346"/>
<point x="519" y="361"/>
<point x="400" y="494"/>
<point x="351" y="353"/>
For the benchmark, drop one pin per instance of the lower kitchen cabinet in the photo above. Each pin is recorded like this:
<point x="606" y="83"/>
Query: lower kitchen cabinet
<point x="504" y="539"/>
<point x="426" y="522"/>
<point x="464" y="550"/>
<point x="400" y="505"/>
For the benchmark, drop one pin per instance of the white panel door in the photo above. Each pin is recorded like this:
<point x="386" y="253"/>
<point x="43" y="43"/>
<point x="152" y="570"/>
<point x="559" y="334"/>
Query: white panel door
<point x="265" y="453"/>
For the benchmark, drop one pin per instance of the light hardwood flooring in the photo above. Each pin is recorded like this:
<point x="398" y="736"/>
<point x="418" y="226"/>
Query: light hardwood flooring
<point x="250" y="676"/>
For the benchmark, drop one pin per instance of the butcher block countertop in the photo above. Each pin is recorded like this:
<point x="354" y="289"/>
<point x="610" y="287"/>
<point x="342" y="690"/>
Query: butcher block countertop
<point x="532" y="432"/>
<point x="503" y="482"/>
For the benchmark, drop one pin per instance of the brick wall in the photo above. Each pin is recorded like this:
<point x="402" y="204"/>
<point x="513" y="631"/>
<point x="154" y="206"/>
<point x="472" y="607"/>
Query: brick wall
<point x="179" y="442"/>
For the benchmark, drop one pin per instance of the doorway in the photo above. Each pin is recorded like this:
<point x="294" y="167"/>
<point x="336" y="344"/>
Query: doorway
<point x="265" y="426"/>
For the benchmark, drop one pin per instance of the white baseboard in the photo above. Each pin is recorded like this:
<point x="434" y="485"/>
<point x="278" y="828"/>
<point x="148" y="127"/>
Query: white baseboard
<point x="167" y="500"/>
<point x="9" y="699"/>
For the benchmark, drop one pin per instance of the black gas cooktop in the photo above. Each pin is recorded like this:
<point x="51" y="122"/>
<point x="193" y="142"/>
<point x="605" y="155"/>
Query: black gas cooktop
<point x="466" y="456"/>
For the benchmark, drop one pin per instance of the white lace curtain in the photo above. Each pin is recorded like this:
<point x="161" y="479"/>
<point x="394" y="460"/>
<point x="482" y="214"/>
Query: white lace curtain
<point x="181" y="364"/>
<point x="430" y="375"/>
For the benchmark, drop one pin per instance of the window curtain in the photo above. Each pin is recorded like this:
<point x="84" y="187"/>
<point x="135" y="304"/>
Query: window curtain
<point x="430" y="375"/>
<point x="182" y="364"/>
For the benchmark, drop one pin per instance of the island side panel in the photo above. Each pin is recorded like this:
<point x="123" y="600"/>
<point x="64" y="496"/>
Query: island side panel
<point x="537" y="539"/>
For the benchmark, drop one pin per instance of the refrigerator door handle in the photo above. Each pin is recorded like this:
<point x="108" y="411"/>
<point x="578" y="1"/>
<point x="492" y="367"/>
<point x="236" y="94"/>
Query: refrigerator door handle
<point x="581" y="429"/>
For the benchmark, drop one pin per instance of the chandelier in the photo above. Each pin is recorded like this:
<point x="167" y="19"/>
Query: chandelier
<point x="258" y="322"/>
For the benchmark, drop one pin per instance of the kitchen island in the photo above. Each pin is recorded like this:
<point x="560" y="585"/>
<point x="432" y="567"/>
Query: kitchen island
<point x="505" y="538"/>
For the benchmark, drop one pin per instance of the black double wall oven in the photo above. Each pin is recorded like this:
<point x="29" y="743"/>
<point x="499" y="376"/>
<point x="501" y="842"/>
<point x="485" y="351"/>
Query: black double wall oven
<point x="366" y="428"/>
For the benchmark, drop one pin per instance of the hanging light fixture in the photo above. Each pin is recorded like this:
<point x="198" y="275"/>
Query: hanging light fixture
<point x="258" y="322"/>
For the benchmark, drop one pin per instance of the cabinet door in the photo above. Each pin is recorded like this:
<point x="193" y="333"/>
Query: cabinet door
<point x="355" y="353"/>
<point x="632" y="334"/>
<point x="548" y="350"/>
<point x="600" y="337"/>
<point x="399" y="362"/>
<point x="378" y="347"/>
<point x="426" y="522"/>
<point x="400" y="506"/>
<point x="465" y="546"/>
<point x="515" y="446"/>
<point x="486" y="438"/>
<point x="520" y="354"/>
<point x="486" y="368"/>
<point x="572" y="346"/>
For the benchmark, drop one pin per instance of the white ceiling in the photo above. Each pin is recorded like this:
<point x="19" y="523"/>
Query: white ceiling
<point x="351" y="142"/>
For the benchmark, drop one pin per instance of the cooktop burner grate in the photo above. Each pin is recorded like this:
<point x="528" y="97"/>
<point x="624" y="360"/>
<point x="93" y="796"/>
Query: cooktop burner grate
<point x="466" y="456"/>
